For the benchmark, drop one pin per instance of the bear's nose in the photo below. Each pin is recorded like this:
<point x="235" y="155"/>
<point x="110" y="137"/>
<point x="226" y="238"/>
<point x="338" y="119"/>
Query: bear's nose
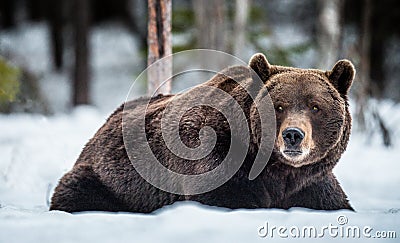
<point x="292" y="136"/>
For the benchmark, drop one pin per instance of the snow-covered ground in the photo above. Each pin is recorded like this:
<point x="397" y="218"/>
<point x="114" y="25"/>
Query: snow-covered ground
<point x="36" y="150"/>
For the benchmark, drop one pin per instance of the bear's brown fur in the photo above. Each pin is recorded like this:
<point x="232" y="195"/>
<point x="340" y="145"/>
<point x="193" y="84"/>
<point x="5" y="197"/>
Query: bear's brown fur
<point x="311" y="100"/>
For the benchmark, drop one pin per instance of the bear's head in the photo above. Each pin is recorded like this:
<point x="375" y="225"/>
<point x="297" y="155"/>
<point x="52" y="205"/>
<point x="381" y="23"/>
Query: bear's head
<point x="311" y="107"/>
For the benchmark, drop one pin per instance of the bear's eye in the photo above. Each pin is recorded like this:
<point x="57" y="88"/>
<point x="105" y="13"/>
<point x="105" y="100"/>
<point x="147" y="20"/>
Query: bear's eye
<point x="279" y="108"/>
<point x="315" y="109"/>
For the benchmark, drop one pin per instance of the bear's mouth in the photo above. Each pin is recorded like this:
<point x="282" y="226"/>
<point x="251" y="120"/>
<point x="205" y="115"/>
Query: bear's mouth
<point x="293" y="153"/>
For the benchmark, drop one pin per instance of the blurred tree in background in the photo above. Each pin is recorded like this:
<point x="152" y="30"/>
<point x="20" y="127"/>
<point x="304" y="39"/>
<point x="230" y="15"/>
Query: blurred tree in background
<point x="159" y="46"/>
<point x="309" y="33"/>
<point x="81" y="76"/>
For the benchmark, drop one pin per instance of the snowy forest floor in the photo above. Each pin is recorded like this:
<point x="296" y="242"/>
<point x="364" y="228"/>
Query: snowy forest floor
<point x="36" y="150"/>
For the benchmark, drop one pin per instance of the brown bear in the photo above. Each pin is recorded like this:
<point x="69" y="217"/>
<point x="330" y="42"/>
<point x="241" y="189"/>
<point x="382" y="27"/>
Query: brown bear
<point x="312" y="130"/>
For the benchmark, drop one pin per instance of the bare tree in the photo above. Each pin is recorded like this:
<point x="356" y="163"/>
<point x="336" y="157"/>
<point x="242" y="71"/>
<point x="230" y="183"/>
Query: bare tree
<point x="81" y="69"/>
<point x="328" y="34"/>
<point x="241" y="15"/>
<point x="55" y="15"/>
<point x="159" y="42"/>
<point x="210" y="24"/>
<point x="363" y="92"/>
<point x="364" y="67"/>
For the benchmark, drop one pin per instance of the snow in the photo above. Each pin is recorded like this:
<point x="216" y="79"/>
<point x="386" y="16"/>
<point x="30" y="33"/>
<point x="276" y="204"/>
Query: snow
<point x="36" y="150"/>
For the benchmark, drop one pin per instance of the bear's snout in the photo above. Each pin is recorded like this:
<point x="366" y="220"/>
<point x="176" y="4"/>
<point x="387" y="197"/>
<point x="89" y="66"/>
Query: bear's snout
<point x="292" y="138"/>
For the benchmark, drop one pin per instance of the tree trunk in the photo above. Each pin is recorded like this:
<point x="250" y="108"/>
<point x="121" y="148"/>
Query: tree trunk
<point x="210" y="24"/>
<point x="81" y="69"/>
<point x="160" y="45"/>
<point x="55" y="15"/>
<point x="362" y="93"/>
<point x="364" y="87"/>
<point x="241" y="15"/>
<point x="329" y="30"/>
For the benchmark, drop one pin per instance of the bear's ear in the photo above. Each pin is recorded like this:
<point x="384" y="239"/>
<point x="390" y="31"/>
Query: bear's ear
<point x="258" y="62"/>
<point x="342" y="75"/>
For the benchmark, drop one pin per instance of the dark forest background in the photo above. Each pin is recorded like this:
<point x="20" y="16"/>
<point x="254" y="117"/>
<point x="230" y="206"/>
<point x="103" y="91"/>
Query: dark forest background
<point x="364" y="31"/>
